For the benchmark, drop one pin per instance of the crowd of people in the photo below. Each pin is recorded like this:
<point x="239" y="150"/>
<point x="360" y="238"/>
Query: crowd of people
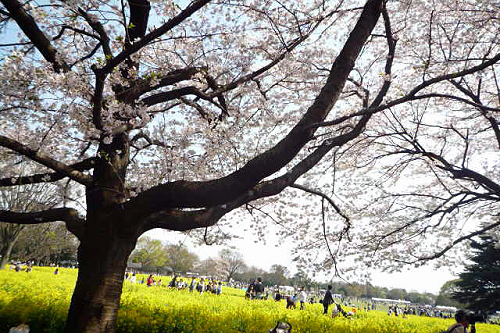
<point x="428" y="311"/>
<point x="300" y="298"/>
<point x="17" y="267"/>
<point x="203" y="285"/>
<point x="256" y="290"/>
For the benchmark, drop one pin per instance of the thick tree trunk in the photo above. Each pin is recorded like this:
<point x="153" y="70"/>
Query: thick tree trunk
<point x="96" y="298"/>
<point x="5" y="253"/>
<point x="108" y="238"/>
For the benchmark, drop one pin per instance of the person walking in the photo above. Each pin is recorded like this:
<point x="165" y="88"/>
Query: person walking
<point x="192" y="285"/>
<point x="201" y="286"/>
<point x="328" y="299"/>
<point x="259" y="288"/>
<point x="302" y="297"/>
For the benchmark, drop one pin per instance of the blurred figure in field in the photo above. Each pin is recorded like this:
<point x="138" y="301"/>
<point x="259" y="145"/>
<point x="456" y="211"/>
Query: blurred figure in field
<point x="290" y="303"/>
<point x="328" y="299"/>
<point x="192" y="286"/>
<point x="150" y="281"/>
<point x="219" y="288"/>
<point x="302" y="297"/>
<point x="259" y="288"/>
<point x="249" y="292"/>
<point x="201" y="286"/>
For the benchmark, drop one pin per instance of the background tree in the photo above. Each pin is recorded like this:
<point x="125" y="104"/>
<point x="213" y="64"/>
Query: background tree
<point x="46" y="244"/>
<point x="397" y="293"/>
<point x="277" y="276"/>
<point x="351" y="289"/>
<point x="179" y="259"/>
<point x="251" y="274"/>
<point x="150" y="253"/>
<point x="300" y="279"/>
<point x="231" y="263"/>
<point x="479" y="285"/>
<point x="370" y="291"/>
<point x="208" y="267"/>
<point x="445" y="295"/>
<point x="178" y="124"/>
<point x="26" y="198"/>
<point x="8" y="236"/>
<point x="422" y="298"/>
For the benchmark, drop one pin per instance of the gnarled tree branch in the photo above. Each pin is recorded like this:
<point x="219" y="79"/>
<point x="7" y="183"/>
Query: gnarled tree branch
<point x="57" y="166"/>
<point x="214" y="192"/>
<point x="33" y="32"/>
<point x="47" y="177"/>
<point x="70" y="216"/>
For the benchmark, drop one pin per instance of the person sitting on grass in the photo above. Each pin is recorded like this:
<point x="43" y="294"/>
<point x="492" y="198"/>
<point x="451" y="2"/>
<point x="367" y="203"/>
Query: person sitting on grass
<point x="150" y="281"/>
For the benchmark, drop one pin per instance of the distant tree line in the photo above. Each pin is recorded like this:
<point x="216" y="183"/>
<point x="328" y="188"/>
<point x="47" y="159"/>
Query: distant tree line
<point x="42" y="245"/>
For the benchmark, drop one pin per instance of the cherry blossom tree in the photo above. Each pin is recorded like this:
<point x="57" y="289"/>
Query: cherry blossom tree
<point x="231" y="263"/>
<point x="181" y="115"/>
<point x="421" y="182"/>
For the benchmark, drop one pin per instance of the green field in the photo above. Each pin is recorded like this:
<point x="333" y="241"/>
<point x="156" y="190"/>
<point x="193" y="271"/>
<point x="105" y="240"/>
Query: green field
<point x="41" y="300"/>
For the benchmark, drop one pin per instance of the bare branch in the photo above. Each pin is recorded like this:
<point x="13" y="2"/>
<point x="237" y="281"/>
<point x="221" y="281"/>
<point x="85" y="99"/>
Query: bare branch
<point x="70" y="216"/>
<point x="327" y="198"/>
<point x="151" y="142"/>
<point x="57" y="166"/>
<point x="412" y="95"/>
<point x="98" y="27"/>
<point x="87" y="164"/>
<point x="457" y="241"/>
<point x="169" y="25"/>
<point x="28" y="25"/>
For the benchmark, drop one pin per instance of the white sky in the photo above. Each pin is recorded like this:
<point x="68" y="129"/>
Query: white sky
<point x="423" y="279"/>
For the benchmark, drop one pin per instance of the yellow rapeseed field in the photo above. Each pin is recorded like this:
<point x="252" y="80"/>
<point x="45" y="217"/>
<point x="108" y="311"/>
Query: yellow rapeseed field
<point x="41" y="300"/>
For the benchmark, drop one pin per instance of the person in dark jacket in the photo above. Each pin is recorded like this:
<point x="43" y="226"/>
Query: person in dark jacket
<point x="259" y="288"/>
<point x="328" y="299"/>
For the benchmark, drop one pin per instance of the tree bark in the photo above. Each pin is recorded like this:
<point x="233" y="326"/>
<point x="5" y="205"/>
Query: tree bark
<point x="109" y="236"/>
<point x="96" y="298"/>
<point x="9" y="239"/>
<point x="5" y="253"/>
